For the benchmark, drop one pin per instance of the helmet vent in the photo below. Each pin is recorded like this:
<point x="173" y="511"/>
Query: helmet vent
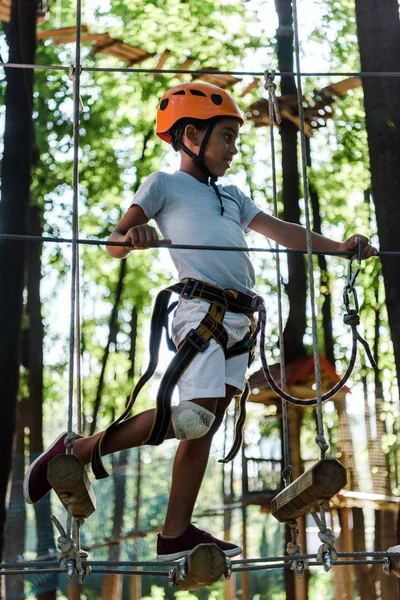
<point x="198" y="93"/>
<point x="179" y="93"/>
<point x="164" y="104"/>
<point x="216" y="98"/>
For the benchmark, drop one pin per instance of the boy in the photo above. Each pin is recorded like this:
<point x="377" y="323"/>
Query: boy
<point x="202" y="122"/>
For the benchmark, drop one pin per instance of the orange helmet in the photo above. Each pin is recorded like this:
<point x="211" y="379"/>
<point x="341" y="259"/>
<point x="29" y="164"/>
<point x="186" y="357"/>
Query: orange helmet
<point x="194" y="100"/>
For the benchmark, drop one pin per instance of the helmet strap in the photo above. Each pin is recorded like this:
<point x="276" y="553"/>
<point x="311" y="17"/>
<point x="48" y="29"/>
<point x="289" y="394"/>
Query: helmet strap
<point x="198" y="159"/>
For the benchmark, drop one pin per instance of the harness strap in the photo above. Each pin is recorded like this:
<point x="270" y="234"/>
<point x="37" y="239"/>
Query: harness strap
<point x="197" y="340"/>
<point x="237" y="442"/>
<point x="229" y="300"/>
<point x="157" y="324"/>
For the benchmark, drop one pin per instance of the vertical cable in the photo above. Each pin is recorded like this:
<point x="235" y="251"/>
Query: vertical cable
<point x="320" y="439"/>
<point x="273" y="107"/>
<point x="75" y="317"/>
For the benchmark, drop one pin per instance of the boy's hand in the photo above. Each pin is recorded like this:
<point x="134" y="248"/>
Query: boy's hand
<point x="143" y="236"/>
<point x="352" y="242"/>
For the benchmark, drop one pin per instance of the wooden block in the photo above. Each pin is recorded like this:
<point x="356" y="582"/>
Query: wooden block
<point x="68" y="478"/>
<point x="321" y="482"/>
<point x="395" y="562"/>
<point x="203" y="566"/>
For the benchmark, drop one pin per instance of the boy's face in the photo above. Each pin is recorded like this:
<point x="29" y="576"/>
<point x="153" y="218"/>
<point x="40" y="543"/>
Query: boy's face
<point x="221" y="147"/>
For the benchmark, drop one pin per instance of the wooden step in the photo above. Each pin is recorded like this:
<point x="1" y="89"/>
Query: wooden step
<point x="203" y="566"/>
<point x="321" y="482"/>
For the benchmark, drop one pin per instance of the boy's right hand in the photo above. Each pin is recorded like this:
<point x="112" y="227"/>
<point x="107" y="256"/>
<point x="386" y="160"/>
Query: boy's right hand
<point x="143" y="236"/>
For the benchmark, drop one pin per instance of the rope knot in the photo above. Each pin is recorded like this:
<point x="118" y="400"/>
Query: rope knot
<point x="351" y="318"/>
<point x="322" y="443"/>
<point x="286" y="473"/>
<point x="70" y="439"/>
<point x="72" y="558"/>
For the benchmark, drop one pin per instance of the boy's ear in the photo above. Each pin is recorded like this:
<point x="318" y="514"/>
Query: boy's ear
<point x="192" y="135"/>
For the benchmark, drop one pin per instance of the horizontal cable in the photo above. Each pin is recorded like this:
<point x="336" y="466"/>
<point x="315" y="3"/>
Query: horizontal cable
<point x="234" y="562"/>
<point x="237" y="569"/>
<point x="93" y="242"/>
<point x="362" y="74"/>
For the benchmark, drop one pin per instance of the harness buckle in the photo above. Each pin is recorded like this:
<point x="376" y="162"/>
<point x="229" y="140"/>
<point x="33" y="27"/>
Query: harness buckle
<point x="189" y="288"/>
<point x="197" y="341"/>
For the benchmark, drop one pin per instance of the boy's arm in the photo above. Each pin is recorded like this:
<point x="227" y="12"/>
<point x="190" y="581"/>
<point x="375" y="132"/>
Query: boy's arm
<point x="133" y="228"/>
<point x="293" y="236"/>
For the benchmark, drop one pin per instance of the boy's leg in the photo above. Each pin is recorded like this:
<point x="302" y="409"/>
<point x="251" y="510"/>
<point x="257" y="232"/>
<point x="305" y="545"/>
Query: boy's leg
<point x="189" y="468"/>
<point x="128" y="434"/>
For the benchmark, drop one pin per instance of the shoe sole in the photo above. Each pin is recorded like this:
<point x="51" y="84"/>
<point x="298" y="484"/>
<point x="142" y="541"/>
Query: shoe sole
<point x="28" y="473"/>
<point x="178" y="555"/>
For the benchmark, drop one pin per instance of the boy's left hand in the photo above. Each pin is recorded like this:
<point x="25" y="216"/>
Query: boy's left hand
<point x="352" y="242"/>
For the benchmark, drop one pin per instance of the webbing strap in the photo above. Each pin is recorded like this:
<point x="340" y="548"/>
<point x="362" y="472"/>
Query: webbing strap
<point x="197" y="340"/>
<point x="157" y="324"/>
<point x="237" y="442"/>
<point x="229" y="300"/>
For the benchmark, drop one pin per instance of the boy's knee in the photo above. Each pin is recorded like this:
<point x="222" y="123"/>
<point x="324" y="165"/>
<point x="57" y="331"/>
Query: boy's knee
<point x="191" y="421"/>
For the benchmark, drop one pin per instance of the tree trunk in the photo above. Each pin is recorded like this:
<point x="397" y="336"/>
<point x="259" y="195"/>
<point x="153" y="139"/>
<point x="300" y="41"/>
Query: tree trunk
<point x="325" y="284"/>
<point x="16" y="178"/>
<point x="16" y="520"/>
<point x="379" y="43"/>
<point x="296" y="286"/>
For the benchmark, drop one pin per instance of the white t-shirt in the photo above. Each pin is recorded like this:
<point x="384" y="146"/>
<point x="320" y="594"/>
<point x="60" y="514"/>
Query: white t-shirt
<point x="187" y="211"/>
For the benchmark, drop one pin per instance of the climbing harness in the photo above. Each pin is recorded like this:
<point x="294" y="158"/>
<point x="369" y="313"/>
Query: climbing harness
<point x="197" y="340"/>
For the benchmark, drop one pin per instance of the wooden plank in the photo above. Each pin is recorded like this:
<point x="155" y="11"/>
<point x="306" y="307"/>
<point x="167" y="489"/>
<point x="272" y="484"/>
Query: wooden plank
<point x="250" y="87"/>
<point x="203" y="566"/>
<point x="223" y="81"/>
<point x="68" y="478"/>
<point x="64" y="31"/>
<point x="321" y="482"/>
<point x="163" y="59"/>
<point x="340" y="88"/>
<point x="185" y="65"/>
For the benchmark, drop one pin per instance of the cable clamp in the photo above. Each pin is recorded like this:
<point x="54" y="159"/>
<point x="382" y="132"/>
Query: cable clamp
<point x="270" y="86"/>
<point x="387" y="565"/>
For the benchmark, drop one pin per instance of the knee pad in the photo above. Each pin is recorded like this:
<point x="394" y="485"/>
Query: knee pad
<point x="191" y="421"/>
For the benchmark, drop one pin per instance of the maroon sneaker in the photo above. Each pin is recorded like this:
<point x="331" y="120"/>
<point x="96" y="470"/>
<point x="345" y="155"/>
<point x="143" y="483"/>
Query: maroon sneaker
<point x="177" y="547"/>
<point x="36" y="485"/>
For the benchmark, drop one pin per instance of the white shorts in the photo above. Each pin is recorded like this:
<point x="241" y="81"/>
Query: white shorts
<point x="210" y="372"/>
